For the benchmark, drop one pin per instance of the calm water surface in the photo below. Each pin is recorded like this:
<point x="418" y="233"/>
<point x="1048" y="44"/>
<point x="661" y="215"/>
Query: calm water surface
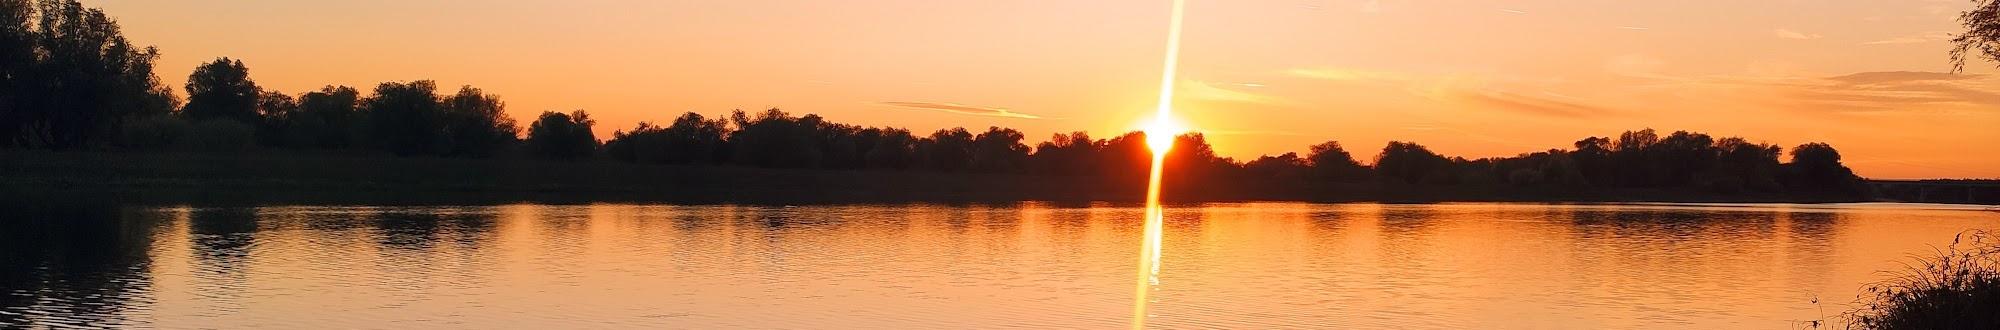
<point x="1036" y="265"/>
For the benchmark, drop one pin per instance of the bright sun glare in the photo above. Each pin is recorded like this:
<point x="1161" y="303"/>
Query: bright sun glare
<point x="1160" y="134"/>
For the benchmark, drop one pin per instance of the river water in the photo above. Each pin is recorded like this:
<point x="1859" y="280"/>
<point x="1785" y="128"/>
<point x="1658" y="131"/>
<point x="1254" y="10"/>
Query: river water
<point x="1036" y="265"/>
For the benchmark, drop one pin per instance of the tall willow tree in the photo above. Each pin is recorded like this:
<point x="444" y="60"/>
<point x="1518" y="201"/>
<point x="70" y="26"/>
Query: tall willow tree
<point x="1982" y="34"/>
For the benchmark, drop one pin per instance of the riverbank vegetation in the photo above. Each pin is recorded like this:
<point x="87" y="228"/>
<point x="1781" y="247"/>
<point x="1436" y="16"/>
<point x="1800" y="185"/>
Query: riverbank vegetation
<point x="1957" y="289"/>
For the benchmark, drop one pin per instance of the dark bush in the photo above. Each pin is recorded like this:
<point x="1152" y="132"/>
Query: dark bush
<point x="1957" y="289"/>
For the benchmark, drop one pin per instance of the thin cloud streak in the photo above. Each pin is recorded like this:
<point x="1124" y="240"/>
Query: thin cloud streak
<point x="1933" y="36"/>
<point x="1795" y="35"/>
<point x="1249" y="132"/>
<point x="1202" y="90"/>
<point x="962" y="109"/>
<point x="1531" y="104"/>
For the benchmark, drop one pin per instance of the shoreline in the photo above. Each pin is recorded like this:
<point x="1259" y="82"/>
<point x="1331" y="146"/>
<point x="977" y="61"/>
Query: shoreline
<point x="338" y="179"/>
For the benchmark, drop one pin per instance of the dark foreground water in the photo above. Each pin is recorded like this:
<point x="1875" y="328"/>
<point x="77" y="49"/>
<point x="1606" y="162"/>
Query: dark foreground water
<point x="957" y="266"/>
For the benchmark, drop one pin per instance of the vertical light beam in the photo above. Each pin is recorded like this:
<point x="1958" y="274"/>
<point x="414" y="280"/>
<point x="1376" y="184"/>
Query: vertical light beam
<point x="1160" y="137"/>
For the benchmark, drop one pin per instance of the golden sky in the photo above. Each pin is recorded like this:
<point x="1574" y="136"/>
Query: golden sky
<point x="1467" y="78"/>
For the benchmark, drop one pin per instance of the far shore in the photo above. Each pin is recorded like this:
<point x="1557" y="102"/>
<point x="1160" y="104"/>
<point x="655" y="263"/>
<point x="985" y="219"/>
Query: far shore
<point x="339" y="179"/>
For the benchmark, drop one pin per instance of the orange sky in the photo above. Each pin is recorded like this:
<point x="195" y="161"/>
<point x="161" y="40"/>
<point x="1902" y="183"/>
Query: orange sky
<point x="1467" y="78"/>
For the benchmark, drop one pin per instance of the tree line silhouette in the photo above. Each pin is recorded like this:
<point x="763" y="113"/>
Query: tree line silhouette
<point x="72" y="81"/>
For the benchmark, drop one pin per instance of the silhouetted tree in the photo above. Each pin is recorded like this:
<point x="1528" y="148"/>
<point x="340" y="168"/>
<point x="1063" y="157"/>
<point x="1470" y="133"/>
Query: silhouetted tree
<point x="639" y="145"/>
<point x="1066" y="154"/>
<point x="947" y="150"/>
<point x="1816" y="167"/>
<point x="1126" y="155"/>
<point x="1192" y="157"/>
<point x="773" y="139"/>
<point x="1593" y="160"/>
<point x="1634" y="158"/>
<point x="694" y="139"/>
<point x="560" y="136"/>
<point x="1282" y="167"/>
<point x="999" y="150"/>
<point x="691" y="139"/>
<point x="838" y="145"/>
<point x="1330" y="162"/>
<point x="1981" y="37"/>
<point x="1682" y="154"/>
<point x="894" y="148"/>
<point x="327" y="118"/>
<point x="1410" y="162"/>
<point x="17" y="62"/>
<point x="222" y="89"/>
<point x="1752" y="166"/>
<point x="405" y="118"/>
<point x="77" y="80"/>
<point x="476" y="124"/>
<point x="274" y="111"/>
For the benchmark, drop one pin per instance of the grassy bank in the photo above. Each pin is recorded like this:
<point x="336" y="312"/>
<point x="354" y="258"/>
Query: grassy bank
<point x="320" y="178"/>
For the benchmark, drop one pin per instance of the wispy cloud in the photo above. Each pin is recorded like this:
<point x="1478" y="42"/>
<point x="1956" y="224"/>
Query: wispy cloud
<point x="1635" y="28"/>
<point x="1336" y="74"/>
<point x="1550" y="105"/>
<point x="1932" y="36"/>
<point x="1511" y="11"/>
<point x="962" y="109"/>
<point x="1201" y="90"/>
<point x="1250" y="132"/>
<point x="1795" y="35"/>
<point x="1865" y="92"/>
<point x="1878" y="91"/>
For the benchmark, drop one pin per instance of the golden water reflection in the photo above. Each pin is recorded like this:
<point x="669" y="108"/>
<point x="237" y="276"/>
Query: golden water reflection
<point x="1034" y="265"/>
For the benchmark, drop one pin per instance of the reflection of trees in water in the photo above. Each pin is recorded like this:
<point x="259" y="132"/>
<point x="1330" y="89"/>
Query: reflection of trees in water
<point x="73" y="265"/>
<point x="424" y="229"/>
<point x="222" y="239"/>
<point x="778" y="220"/>
<point x="1809" y="252"/>
<point x="1674" y="226"/>
<point x="1404" y="229"/>
<point x="406" y="230"/>
<point x="1407" y="221"/>
<point x="1331" y="221"/>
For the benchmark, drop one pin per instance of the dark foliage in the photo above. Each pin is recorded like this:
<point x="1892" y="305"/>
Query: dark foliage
<point x="329" y="118"/>
<point x="69" y="78"/>
<point x="222" y="89"/>
<point x="405" y="118"/>
<point x="560" y="136"/>
<point x="476" y="124"/>
<point x="1957" y="289"/>
<point x="1330" y="162"/>
<point x="1412" y="163"/>
<point x="691" y="139"/>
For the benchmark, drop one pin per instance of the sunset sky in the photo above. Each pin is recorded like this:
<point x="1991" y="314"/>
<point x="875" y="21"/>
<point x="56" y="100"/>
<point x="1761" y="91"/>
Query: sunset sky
<point x="1467" y="78"/>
